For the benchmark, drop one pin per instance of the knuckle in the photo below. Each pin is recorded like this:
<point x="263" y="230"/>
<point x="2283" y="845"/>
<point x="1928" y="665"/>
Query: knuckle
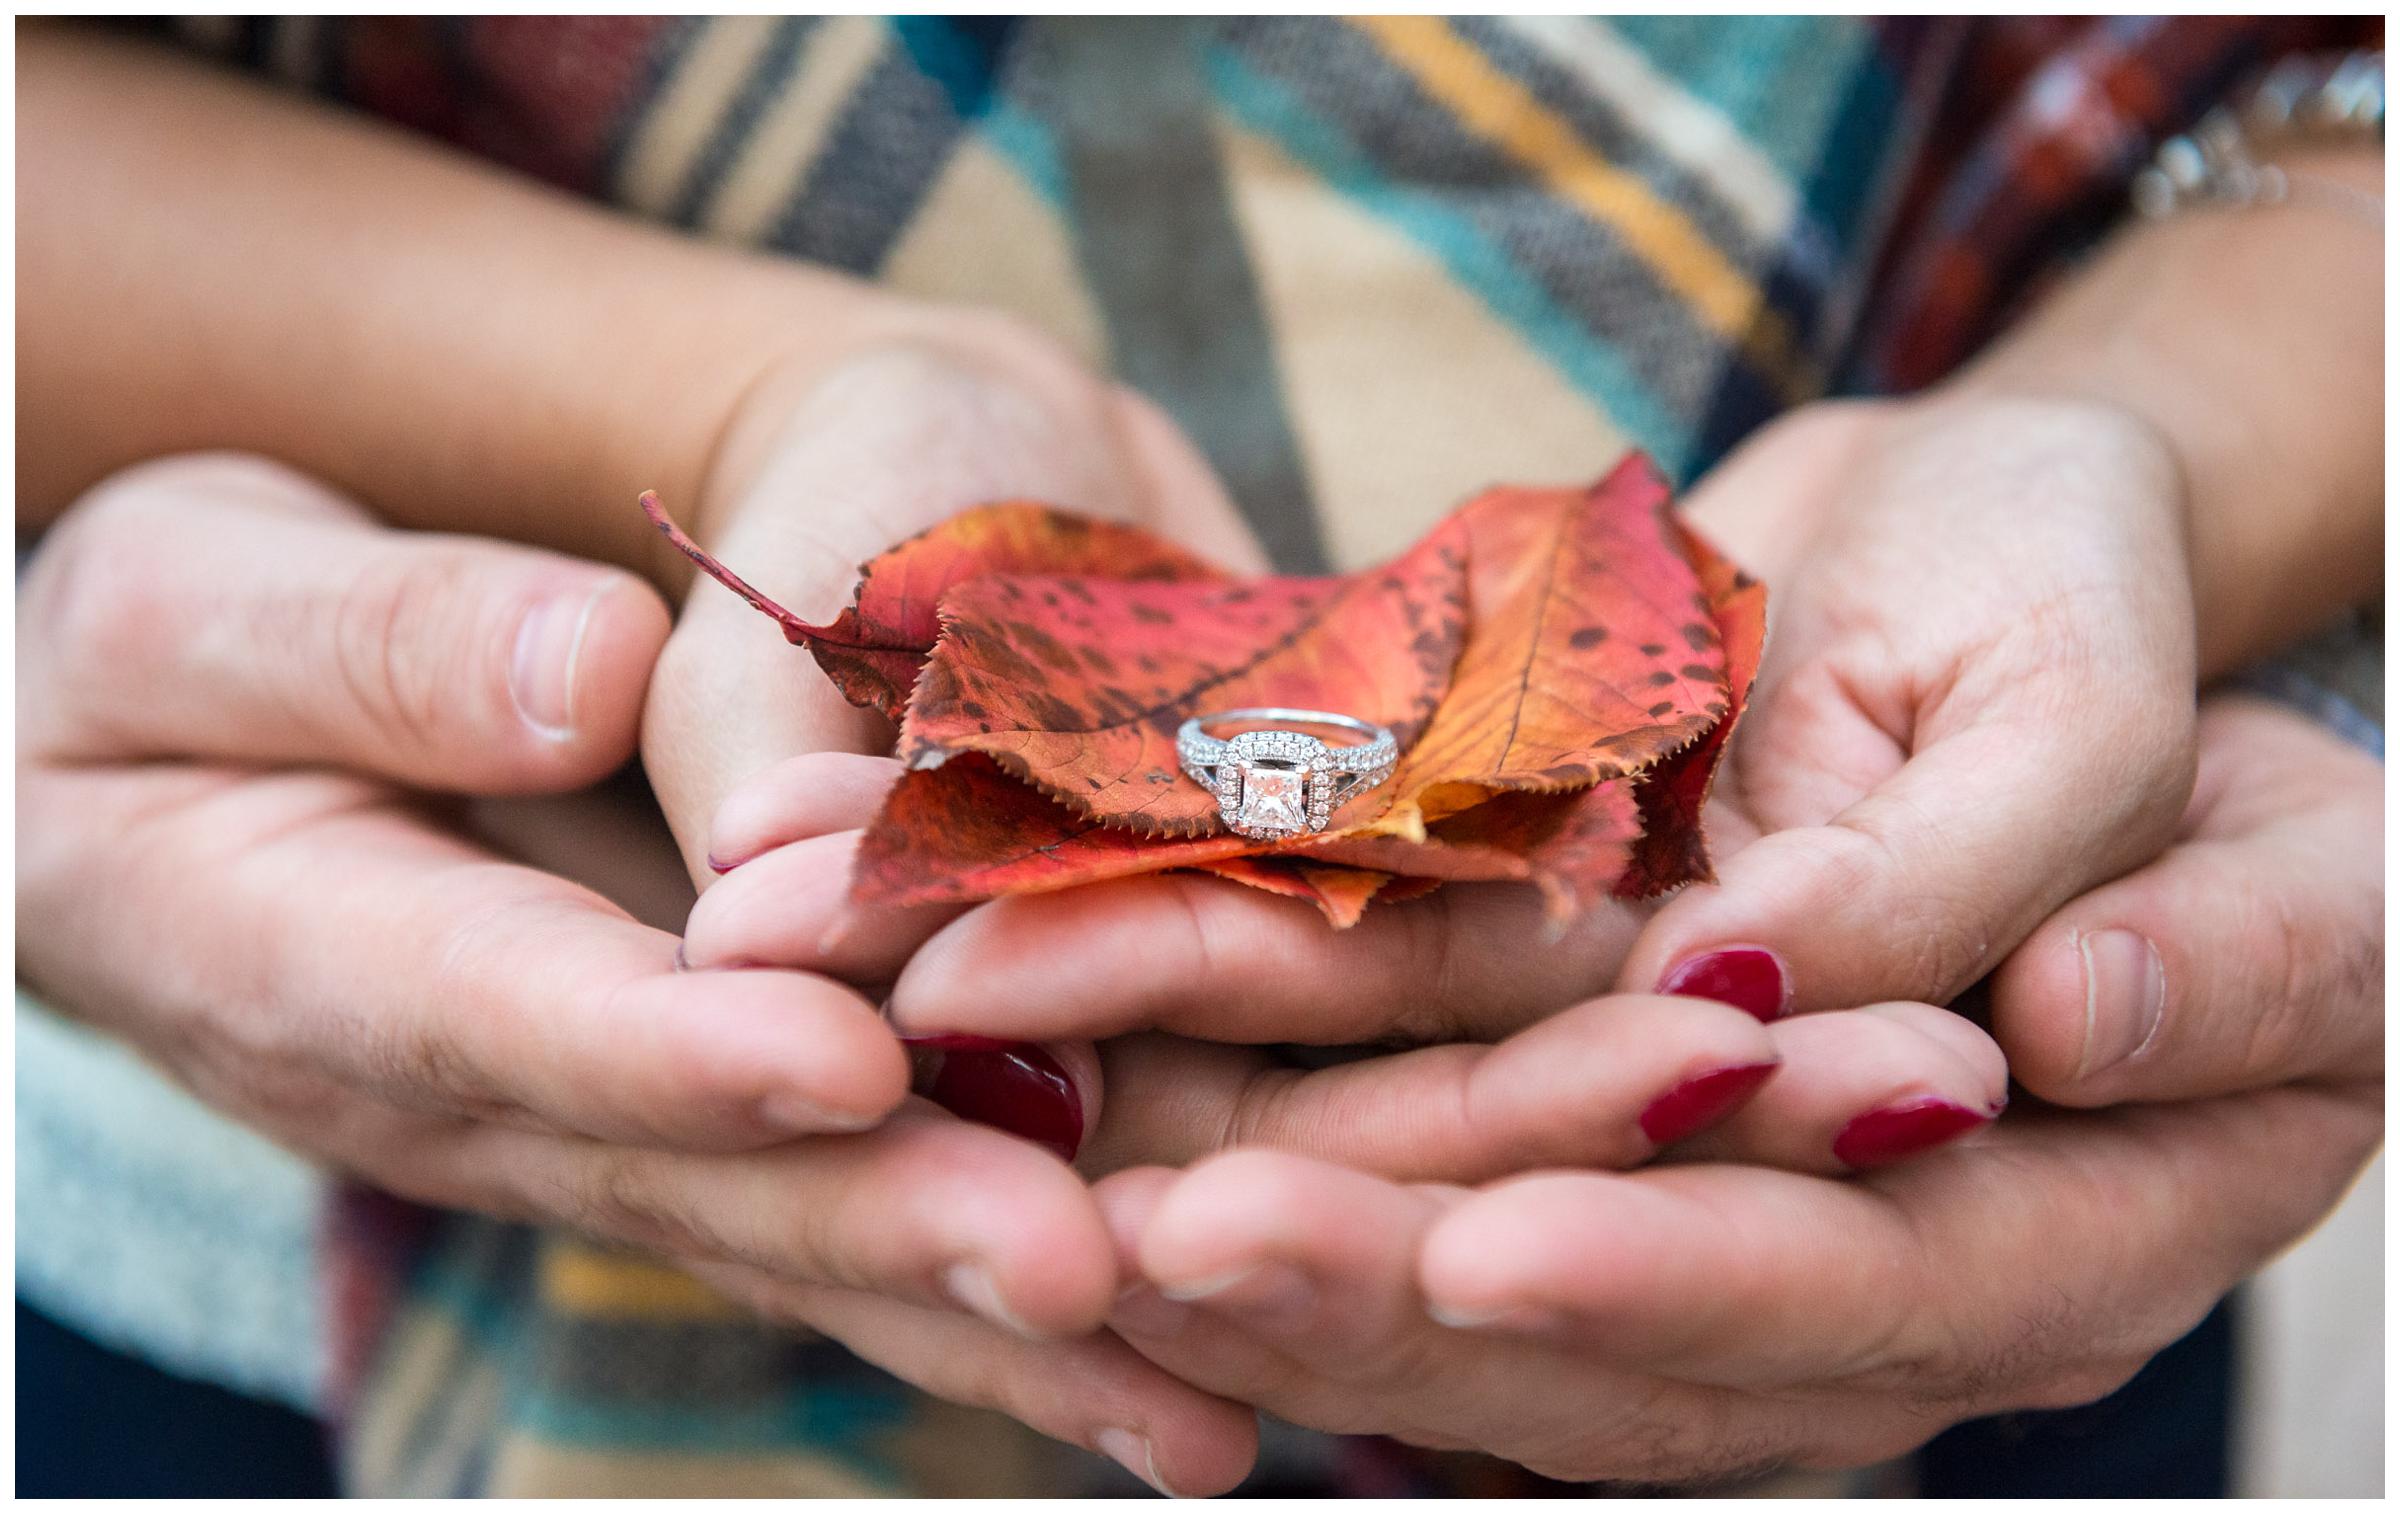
<point x="1941" y="930"/>
<point x="625" y="1194"/>
<point x="2314" y="968"/>
<point x="390" y="636"/>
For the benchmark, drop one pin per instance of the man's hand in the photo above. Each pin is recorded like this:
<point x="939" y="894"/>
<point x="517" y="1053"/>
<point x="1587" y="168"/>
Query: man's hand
<point x="244" y="713"/>
<point x="1694" y="1322"/>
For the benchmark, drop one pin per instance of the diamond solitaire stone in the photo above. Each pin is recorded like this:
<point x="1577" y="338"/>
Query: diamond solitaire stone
<point x="1274" y="801"/>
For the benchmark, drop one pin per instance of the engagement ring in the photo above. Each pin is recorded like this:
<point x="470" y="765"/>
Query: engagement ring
<point x="1274" y="784"/>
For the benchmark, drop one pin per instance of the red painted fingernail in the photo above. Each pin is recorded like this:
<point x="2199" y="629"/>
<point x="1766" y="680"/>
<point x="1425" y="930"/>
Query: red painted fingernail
<point x="1747" y="977"/>
<point x="1009" y="1085"/>
<point x="1899" y="1130"/>
<point x="721" y="867"/>
<point x="1695" y="1104"/>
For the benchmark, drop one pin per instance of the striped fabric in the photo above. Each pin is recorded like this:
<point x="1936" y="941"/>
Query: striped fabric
<point x="1370" y="265"/>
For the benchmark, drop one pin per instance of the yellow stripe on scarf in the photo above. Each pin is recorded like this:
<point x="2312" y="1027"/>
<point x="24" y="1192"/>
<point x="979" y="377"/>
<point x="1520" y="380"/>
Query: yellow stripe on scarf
<point x="1496" y="107"/>
<point x="578" y="1279"/>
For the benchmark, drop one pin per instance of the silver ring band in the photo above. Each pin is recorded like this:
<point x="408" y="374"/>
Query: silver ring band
<point x="1277" y="783"/>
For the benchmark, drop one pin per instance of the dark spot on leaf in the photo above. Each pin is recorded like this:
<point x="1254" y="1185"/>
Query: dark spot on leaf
<point x="1654" y="649"/>
<point x="1701" y="637"/>
<point x="1150" y="615"/>
<point x="1657" y="710"/>
<point x="1661" y="679"/>
<point x="1588" y="638"/>
<point x="1696" y="670"/>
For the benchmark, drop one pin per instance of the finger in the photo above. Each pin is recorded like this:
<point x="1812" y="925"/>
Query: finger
<point x="2251" y="954"/>
<point x="1302" y="1252"/>
<point x="1603" y="1084"/>
<point x="927" y="1210"/>
<point x="1863" y="1088"/>
<point x="812" y="795"/>
<point x="2037" y="1267"/>
<point x="1095" y="1393"/>
<point x="1293" y="1284"/>
<point x="1212" y="959"/>
<point x="1921" y="886"/>
<point x="223" y="607"/>
<point x="421" y="969"/>
<point x="792" y="908"/>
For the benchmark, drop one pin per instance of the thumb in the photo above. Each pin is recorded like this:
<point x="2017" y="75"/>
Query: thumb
<point x="2251" y="954"/>
<point x="225" y="607"/>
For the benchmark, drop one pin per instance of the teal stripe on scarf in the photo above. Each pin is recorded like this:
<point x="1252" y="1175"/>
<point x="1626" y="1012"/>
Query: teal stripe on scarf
<point x="1753" y="73"/>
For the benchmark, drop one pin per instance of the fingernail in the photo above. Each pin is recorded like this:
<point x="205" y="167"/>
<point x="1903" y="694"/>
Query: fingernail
<point x="1133" y="1453"/>
<point x="2124" y="996"/>
<point x="1274" y="1296"/>
<point x="1697" y="1103"/>
<point x="1143" y="1310"/>
<point x="1520" y="1319"/>
<point x="971" y="1284"/>
<point x="802" y="1116"/>
<point x="1747" y="977"/>
<point x="721" y="867"/>
<point x="541" y="667"/>
<point x="1009" y="1085"/>
<point x="683" y="964"/>
<point x="1898" y="1130"/>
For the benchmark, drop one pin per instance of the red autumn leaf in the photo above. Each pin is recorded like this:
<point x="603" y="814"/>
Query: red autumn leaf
<point x="968" y="830"/>
<point x="1590" y="657"/>
<point x="1562" y="667"/>
<point x="1079" y="684"/>
<point x="1341" y="892"/>
<point x="1672" y="850"/>
<point x="872" y="650"/>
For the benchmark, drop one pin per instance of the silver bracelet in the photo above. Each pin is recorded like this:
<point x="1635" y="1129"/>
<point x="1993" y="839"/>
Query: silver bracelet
<point x="2303" y="98"/>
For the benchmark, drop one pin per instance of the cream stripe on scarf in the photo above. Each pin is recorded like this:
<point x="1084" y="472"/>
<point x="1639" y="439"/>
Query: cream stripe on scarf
<point x="1392" y="434"/>
<point x="680" y="119"/>
<point x="985" y="236"/>
<point x="530" y="1468"/>
<point x="1458" y="77"/>
<point x="1681" y="127"/>
<point x="792" y="132"/>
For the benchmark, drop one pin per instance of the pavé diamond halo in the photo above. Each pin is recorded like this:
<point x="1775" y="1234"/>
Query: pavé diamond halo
<point x="1275" y="784"/>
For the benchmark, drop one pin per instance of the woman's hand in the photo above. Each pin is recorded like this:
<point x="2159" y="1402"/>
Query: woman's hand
<point x="244" y="715"/>
<point x="1978" y="694"/>
<point x="1976" y="704"/>
<point x="1698" y="1322"/>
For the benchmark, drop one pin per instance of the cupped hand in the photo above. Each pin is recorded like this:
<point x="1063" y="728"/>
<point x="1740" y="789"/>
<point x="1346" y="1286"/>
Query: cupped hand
<point x="1976" y="704"/>
<point x="1610" y="1082"/>
<point x="1702" y="1321"/>
<point x="246" y="717"/>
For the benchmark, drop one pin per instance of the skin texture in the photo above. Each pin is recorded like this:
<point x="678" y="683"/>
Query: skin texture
<point x="269" y="298"/>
